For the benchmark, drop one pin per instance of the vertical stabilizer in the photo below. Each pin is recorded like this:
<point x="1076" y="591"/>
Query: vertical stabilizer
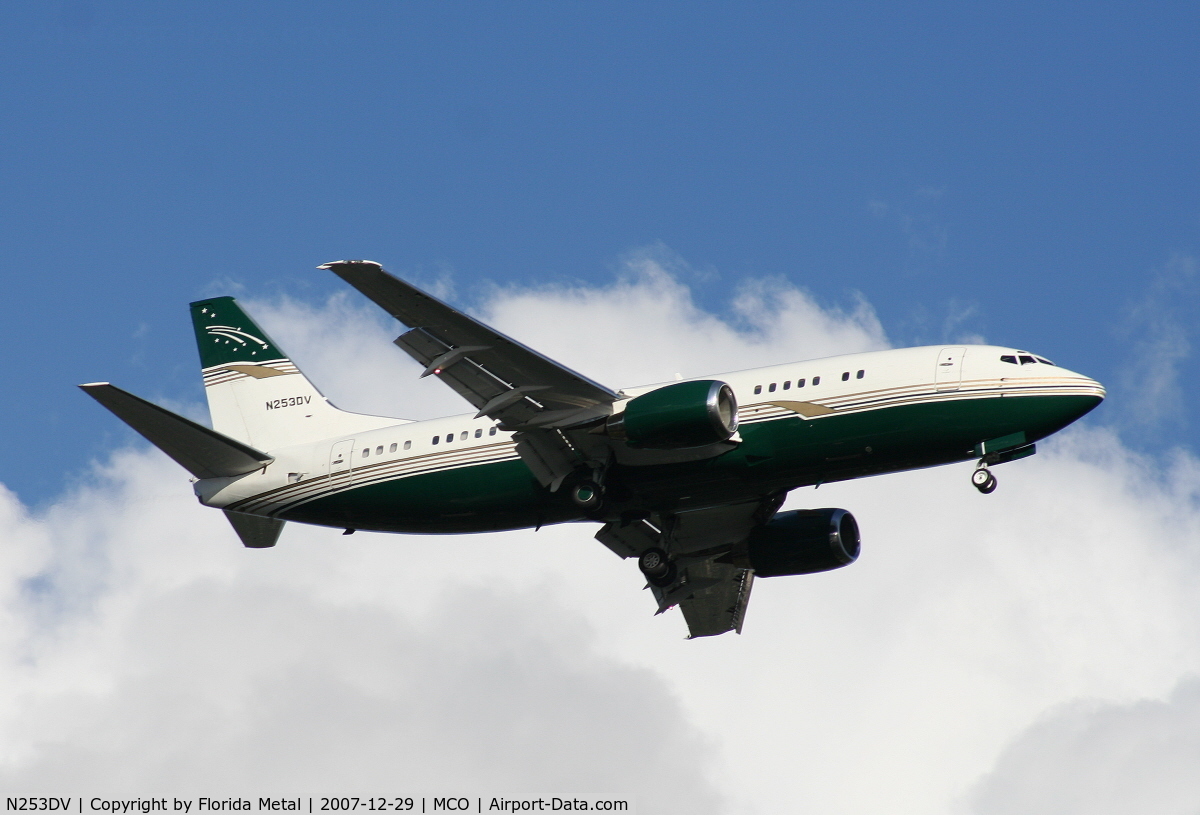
<point x="255" y="393"/>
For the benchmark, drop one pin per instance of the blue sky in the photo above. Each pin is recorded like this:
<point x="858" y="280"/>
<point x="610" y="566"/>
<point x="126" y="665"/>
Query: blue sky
<point x="636" y="189"/>
<point x="1023" y="173"/>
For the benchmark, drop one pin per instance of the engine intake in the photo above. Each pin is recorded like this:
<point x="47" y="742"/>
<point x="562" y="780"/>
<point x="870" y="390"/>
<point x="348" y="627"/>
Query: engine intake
<point x="804" y="541"/>
<point x="685" y="414"/>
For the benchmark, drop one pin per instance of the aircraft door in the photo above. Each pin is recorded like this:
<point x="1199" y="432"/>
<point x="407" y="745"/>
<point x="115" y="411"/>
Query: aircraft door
<point x="341" y="458"/>
<point x="948" y="374"/>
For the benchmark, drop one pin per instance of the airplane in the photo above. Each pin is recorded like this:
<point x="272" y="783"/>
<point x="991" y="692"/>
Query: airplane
<point x="685" y="477"/>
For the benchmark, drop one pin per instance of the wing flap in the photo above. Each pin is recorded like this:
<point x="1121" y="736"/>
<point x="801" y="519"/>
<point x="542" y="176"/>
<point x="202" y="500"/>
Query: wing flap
<point x="630" y="539"/>
<point x="721" y="605"/>
<point x="711" y="592"/>
<point x="485" y="367"/>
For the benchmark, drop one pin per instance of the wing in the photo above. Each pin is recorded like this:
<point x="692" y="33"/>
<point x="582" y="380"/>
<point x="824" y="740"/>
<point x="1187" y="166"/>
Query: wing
<point x="722" y="606"/>
<point x="709" y="587"/>
<point x="523" y="390"/>
<point x="501" y="377"/>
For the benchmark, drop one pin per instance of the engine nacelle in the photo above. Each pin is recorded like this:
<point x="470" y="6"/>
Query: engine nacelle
<point x="804" y="541"/>
<point x="685" y="414"/>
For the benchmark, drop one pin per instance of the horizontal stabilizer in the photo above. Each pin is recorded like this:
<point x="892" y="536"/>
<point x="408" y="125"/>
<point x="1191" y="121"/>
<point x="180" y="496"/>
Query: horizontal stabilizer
<point x="203" y="452"/>
<point x="255" y="531"/>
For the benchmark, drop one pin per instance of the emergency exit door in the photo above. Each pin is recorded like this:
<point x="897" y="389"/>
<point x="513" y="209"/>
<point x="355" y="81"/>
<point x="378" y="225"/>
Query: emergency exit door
<point x="341" y="458"/>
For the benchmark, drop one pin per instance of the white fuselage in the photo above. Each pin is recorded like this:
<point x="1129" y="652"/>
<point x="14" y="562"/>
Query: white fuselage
<point x="812" y="388"/>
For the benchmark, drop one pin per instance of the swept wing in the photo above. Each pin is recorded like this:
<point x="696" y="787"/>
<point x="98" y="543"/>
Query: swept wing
<point x="711" y="590"/>
<point x="502" y="378"/>
<point x="546" y="404"/>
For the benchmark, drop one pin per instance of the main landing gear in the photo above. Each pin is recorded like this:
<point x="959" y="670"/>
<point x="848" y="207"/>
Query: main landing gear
<point x="983" y="480"/>
<point x="587" y="495"/>
<point x="658" y="568"/>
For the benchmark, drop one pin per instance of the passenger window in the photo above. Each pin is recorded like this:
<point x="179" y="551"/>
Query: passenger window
<point x="491" y="431"/>
<point x="771" y="387"/>
<point x="1009" y="358"/>
<point x="787" y="385"/>
<point x="860" y="375"/>
<point x="462" y="436"/>
<point x="379" y="450"/>
<point x="408" y="445"/>
<point x="799" y="383"/>
<point x="392" y="449"/>
<point x="366" y="452"/>
<point x="816" y="381"/>
<point x="449" y="438"/>
<point x="436" y="439"/>
<point x="757" y="389"/>
<point x="845" y="376"/>
<point x="478" y="432"/>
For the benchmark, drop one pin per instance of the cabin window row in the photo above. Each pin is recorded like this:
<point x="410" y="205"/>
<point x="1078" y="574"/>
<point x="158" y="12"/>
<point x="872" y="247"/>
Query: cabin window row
<point x="816" y="380"/>
<point x="394" y="446"/>
<point x="464" y="435"/>
<point x="379" y="450"/>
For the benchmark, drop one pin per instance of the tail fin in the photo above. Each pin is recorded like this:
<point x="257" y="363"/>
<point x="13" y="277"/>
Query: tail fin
<point x="255" y="393"/>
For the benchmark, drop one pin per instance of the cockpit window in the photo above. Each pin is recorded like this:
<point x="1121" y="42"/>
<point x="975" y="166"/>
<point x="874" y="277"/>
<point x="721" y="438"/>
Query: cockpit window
<point x="1024" y="359"/>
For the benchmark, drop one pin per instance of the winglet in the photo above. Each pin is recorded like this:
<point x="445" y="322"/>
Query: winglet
<point x="335" y="263"/>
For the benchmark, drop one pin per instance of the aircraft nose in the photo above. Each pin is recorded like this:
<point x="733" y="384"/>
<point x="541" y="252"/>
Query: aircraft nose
<point x="1078" y="395"/>
<point x="1086" y="386"/>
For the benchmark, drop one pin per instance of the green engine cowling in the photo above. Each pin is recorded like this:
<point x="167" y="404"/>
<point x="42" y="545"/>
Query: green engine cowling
<point x="804" y="541"/>
<point x="685" y="414"/>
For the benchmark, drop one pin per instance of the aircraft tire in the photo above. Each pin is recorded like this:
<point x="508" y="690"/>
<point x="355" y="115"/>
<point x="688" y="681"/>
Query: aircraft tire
<point x="980" y="478"/>
<point x="988" y="486"/>
<point x="654" y="563"/>
<point x="587" y="495"/>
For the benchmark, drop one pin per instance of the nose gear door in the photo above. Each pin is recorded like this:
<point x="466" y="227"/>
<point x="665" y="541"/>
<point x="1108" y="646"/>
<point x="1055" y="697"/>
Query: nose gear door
<point x="948" y="374"/>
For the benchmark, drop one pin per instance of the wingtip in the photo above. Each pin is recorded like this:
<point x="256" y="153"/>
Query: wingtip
<point x="87" y="385"/>
<point x="335" y="263"/>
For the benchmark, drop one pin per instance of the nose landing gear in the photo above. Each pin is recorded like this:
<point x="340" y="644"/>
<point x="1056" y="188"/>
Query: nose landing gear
<point x="983" y="480"/>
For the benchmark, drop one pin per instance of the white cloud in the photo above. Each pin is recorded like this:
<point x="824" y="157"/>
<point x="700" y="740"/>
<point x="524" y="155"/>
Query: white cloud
<point x="193" y="667"/>
<point x="144" y="649"/>
<point x="1093" y="758"/>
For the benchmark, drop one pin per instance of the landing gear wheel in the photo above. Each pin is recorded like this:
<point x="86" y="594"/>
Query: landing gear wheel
<point x="587" y="495"/>
<point x="984" y="481"/>
<point x="657" y="567"/>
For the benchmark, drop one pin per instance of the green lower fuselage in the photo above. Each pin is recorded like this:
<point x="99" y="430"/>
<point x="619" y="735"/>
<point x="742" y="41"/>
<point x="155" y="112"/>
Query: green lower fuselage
<point x="774" y="455"/>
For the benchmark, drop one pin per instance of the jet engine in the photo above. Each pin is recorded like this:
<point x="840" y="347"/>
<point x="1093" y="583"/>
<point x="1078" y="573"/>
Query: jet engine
<point x="685" y="414"/>
<point x="804" y="541"/>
